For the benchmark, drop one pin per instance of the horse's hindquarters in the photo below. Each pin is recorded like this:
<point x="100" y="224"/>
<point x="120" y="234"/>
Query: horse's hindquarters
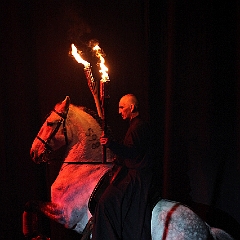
<point x="171" y="220"/>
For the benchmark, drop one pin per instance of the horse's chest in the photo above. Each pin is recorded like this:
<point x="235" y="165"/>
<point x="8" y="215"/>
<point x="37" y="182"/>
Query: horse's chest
<point x="73" y="181"/>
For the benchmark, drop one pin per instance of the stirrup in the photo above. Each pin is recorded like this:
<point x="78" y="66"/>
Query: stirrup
<point x="87" y="230"/>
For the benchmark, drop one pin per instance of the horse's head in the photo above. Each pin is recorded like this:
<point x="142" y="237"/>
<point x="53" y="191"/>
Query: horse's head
<point x="76" y="127"/>
<point x="53" y="133"/>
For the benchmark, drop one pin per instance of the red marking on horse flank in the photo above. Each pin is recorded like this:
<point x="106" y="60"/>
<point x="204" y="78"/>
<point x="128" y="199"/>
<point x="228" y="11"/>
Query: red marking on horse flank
<point x="168" y="219"/>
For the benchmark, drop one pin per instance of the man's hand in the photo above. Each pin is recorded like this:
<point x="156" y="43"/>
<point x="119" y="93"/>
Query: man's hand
<point x="104" y="140"/>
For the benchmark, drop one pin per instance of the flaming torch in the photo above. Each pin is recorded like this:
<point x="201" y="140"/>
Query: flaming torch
<point x="104" y="94"/>
<point x="91" y="82"/>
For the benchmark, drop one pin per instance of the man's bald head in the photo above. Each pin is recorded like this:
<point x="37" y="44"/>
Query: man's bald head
<point x="128" y="106"/>
<point x="130" y="99"/>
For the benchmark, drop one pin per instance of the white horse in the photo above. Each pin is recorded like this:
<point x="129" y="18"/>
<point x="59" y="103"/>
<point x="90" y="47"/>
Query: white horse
<point x="79" y="131"/>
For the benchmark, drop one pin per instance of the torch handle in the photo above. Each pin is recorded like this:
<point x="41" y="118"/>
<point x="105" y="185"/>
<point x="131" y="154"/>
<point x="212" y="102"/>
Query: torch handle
<point x="104" y="127"/>
<point x="104" y="154"/>
<point x="98" y="105"/>
<point x="104" y="100"/>
<point x="93" y="88"/>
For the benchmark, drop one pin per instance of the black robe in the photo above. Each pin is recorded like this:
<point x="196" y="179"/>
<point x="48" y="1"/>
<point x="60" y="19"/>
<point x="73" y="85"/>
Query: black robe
<point x="123" y="211"/>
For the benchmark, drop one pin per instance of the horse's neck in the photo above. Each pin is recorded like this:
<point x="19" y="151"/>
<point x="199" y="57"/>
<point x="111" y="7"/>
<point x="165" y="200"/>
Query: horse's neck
<point x="86" y="132"/>
<point x="79" y="153"/>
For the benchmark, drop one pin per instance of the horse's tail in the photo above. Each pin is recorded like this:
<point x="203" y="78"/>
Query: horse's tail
<point x="219" y="234"/>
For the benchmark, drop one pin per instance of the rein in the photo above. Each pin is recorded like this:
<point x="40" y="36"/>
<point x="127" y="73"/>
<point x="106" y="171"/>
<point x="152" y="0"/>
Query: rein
<point x="48" y="149"/>
<point x="88" y="163"/>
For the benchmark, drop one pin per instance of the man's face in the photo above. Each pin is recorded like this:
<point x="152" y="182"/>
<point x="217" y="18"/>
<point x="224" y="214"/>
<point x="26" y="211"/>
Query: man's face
<point x="125" y="109"/>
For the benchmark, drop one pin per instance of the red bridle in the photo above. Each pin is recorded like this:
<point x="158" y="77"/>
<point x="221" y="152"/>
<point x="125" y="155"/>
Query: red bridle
<point x="47" y="148"/>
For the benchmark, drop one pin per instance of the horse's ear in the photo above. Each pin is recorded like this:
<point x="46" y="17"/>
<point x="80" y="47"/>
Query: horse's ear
<point x="67" y="100"/>
<point x="66" y="103"/>
<point x="63" y="106"/>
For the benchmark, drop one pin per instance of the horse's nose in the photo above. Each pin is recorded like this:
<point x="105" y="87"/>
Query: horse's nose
<point x="32" y="154"/>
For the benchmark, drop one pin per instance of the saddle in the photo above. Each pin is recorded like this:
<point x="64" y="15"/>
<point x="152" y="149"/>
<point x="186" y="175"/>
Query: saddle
<point x="112" y="176"/>
<point x="109" y="177"/>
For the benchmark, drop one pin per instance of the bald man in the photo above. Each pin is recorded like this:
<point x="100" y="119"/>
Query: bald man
<point x="123" y="211"/>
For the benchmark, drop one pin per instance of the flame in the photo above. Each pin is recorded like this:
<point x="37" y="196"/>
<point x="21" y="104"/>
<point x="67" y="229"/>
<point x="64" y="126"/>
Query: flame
<point x="78" y="58"/>
<point x="103" y="69"/>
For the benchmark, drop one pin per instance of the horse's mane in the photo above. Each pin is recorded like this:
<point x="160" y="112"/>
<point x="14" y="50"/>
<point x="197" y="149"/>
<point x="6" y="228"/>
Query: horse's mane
<point x="86" y="110"/>
<point x="94" y="114"/>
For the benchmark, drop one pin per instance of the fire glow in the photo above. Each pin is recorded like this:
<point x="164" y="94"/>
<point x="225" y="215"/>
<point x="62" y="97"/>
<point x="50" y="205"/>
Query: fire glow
<point x="78" y="58"/>
<point x="103" y="69"/>
<point x="91" y="82"/>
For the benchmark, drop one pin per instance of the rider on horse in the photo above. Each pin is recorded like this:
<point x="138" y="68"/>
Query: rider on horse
<point x="124" y="210"/>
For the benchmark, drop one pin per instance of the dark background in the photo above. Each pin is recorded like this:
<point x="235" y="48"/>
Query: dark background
<point x="181" y="59"/>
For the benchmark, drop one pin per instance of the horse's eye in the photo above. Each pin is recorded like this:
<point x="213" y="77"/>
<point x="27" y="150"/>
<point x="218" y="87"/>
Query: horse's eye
<point x="50" y="124"/>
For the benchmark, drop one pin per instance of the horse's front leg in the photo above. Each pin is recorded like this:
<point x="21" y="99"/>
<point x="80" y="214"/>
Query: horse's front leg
<point x="53" y="211"/>
<point x="33" y="217"/>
